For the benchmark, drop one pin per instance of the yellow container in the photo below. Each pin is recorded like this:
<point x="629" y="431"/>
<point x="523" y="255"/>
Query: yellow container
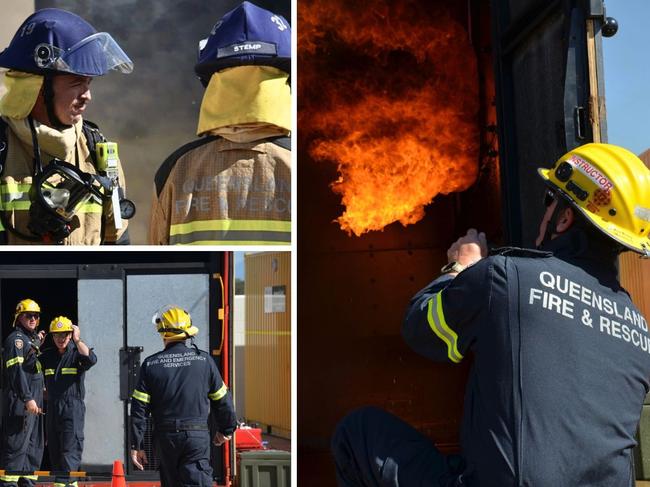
<point x="268" y="341"/>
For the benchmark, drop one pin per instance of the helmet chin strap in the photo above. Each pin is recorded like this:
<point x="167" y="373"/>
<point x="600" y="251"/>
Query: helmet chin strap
<point x="48" y="95"/>
<point x="551" y="226"/>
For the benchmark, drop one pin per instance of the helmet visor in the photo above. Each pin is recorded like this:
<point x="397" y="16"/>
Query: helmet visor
<point x="95" y="55"/>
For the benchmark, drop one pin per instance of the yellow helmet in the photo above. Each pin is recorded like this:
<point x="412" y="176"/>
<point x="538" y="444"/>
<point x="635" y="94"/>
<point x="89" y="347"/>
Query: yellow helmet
<point x="60" y="324"/>
<point x="610" y="186"/>
<point x="26" y="306"/>
<point x="174" y="323"/>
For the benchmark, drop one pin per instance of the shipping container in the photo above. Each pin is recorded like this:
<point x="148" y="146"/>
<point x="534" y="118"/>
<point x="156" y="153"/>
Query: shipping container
<point x="461" y="99"/>
<point x="113" y="296"/>
<point x="268" y="341"/>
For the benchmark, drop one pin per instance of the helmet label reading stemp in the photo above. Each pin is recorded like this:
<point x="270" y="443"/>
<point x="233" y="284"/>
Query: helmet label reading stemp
<point x="257" y="47"/>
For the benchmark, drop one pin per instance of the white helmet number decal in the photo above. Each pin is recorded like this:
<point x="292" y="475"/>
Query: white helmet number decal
<point x="277" y="20"/>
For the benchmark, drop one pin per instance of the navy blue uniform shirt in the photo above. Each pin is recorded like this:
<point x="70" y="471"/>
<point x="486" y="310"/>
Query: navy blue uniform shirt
<point x="560" y="372"/>
<point x="182" y="384"/>
<point x="64" y="374"/>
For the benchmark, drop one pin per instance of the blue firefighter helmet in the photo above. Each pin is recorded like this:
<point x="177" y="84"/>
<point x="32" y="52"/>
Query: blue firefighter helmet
<point x="247" y="35"/>
<point x="57" y="41"/>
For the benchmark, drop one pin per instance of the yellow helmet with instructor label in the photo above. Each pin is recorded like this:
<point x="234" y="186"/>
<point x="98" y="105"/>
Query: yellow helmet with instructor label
<point x="26" y="306"/>
<point x="174" y="323"/>
<point x="61" y="324"/>
<point x="610" y="186"/>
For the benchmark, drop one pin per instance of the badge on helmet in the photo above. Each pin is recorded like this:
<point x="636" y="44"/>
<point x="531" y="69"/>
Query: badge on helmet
<point x="610" y="186"/>
<point x="247" y="35"/>
<point x="60" y="324"/>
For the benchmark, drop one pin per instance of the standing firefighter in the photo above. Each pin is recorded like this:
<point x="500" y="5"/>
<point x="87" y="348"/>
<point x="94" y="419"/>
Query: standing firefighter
<point x="60" y="179"/>
<point x="65" y="367"/>
<point x="180" y="387"/>
<point x="233" y="186"/>
<point x="561" y="354"/>
<point x="22" y="397"/>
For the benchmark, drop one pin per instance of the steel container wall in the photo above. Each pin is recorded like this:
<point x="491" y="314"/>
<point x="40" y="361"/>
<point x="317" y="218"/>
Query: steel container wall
<point x="268" y="340"/>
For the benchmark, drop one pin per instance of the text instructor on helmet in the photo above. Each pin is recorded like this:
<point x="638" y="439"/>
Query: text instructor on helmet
<point x="561" y="355"/>
<point x="233" y="186"/>
<point x="180" y="387"/>
<point x="55" y="185"/>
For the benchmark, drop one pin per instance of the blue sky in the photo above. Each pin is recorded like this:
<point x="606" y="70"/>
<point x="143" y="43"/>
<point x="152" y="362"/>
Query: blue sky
<point x="239" y="265"/>
<point x="627" y="75"/>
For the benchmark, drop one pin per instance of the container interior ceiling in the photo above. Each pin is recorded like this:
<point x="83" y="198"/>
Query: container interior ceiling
<point x="357" y="280"/>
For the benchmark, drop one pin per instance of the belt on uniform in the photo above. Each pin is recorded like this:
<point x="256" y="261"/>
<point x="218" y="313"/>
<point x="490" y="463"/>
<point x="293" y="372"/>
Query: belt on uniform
<point x="178" y="425"/>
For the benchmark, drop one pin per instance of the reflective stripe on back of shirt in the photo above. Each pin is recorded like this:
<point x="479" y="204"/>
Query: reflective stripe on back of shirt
<point x="141" y="396"/>
<point x="215" y="396"/>
<point x="69" y="371"/>
<point x="49" y="371"/>
<point x="235" y="232"/>
<point x="14" y="361"/>
<point x="438" y="324"/>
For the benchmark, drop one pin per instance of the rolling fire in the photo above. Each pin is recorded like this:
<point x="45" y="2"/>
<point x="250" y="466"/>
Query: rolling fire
<point x="388" y="91"/>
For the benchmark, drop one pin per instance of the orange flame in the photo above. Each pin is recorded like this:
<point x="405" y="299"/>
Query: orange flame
<point x="389" y="92"/>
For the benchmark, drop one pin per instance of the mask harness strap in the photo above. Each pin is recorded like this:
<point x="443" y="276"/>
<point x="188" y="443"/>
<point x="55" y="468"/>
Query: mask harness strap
<point x="553" y="221"/>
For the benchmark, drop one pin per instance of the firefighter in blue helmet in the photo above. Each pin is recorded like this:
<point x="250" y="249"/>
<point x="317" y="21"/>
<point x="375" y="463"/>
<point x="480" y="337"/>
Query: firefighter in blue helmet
<point x="65" y="366"/>
<point x="180" y="387"/>
<point x="233" y="186"/>
<point x="59" y="185"/>
<point x="22" y="398"/>
<point x="561" y="355"/>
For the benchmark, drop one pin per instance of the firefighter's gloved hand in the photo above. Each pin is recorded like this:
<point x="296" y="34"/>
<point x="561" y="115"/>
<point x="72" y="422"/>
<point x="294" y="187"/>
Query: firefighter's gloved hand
<point x="220" y="439"/>
<point x="76" y="334"/>
<point x="468" y="249"/>
<point x="139" y="458"/>
<point x="32" y="408"/>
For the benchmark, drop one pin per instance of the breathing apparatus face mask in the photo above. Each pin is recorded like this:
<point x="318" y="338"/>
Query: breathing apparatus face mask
<point x="58" y="193"/>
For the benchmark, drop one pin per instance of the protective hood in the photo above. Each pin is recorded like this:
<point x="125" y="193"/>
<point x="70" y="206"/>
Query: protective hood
<point x="57" y="143"/>
<point x="22" y="92"/>
<point x="246" y="95"/>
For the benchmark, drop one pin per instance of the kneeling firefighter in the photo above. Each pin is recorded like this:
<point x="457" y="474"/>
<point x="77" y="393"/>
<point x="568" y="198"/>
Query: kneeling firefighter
<point x="61" y="182"/>
<point x="65" y="368"/>
<point x="22" y="398"/>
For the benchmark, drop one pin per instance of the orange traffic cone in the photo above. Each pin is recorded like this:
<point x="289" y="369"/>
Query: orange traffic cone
<point x="118" y="475"/>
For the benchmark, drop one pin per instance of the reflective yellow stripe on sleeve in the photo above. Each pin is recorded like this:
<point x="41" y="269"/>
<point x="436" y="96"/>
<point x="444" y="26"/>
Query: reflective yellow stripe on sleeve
<point x="438" y="324"/>
<point x="141" y="396"/>
<point x="39" y="367"/>
<point x="49" y="371"/>
<point x="69" y="371"/>
<point x="235" y="232"/>
<point x="14" y="361"/>
<point x="30" y="477"/>
<point x="215" y="396"/>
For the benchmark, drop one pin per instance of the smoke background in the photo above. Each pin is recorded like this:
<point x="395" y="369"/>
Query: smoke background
<point x="154" y="110"/>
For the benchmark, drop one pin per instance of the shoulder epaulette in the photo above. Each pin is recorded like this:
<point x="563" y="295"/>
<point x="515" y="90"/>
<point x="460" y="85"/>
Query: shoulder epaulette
<point x="520" y="252"/>
<point x="166" y="167"/>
